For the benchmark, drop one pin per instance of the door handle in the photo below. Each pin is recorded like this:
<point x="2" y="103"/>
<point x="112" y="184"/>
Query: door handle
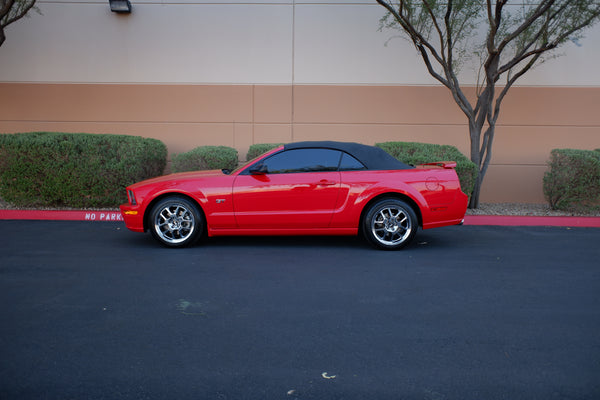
<point x="325" y="182"/>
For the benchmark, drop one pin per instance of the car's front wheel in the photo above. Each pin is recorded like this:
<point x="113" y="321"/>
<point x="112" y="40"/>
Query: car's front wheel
<point x="176" y="222"/>
<point x="390" y="224"/>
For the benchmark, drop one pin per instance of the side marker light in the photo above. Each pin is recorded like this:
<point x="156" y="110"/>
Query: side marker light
<point x="439" y="208"/>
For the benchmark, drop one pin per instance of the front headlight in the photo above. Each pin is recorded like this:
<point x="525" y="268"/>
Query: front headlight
<point x="131" y="197"/>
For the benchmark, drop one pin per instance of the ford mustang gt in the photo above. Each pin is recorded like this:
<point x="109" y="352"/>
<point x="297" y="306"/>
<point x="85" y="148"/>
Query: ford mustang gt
<point x="305" y="188"/>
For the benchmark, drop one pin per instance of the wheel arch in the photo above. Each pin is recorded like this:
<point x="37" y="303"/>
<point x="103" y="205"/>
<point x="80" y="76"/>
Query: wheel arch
<point x="391" y="195"/>
<point x="172" y="194"/>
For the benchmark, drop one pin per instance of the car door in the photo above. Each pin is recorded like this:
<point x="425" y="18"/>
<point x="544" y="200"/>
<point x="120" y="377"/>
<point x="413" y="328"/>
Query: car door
<point x="292" y="189"/>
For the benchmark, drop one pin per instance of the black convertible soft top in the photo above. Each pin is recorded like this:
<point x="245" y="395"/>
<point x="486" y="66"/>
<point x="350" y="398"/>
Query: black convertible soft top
<point x="372" y="157"/>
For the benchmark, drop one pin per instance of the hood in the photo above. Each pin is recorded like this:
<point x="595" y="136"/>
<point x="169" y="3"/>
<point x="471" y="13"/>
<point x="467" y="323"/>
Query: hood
<point x="181" y="177"/>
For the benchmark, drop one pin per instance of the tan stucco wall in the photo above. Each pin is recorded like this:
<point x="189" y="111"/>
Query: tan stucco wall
<point x="242" y="42"/>
<point x="533" y="121"/>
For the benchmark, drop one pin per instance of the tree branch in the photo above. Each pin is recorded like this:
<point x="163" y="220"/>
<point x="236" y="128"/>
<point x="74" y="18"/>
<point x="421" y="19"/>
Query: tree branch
<point x="437" y="28"/>
<point x="538" y="12"/>
<point x="6" y="6"/>
<point x="426" y="49"/>
<point x="449" y="45"/>
<point x="547" y="46"/>
<point x="430" y="69"/>
<point x="418" y="40"/>
<point x="20" y="14"/>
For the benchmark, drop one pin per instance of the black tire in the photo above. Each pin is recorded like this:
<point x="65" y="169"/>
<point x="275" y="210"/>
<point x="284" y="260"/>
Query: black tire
<point x="176" y="222"/>
<point x="390" y="224"/>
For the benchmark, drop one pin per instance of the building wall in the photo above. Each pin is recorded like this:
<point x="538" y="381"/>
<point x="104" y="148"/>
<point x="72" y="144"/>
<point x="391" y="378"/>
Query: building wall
<point x="195" y="73"/>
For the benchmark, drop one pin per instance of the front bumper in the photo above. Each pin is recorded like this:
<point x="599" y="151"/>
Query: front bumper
<point x="133" y="217"/>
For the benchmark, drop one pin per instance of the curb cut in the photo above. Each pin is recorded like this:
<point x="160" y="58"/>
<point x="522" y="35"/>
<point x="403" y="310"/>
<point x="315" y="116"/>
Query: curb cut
<point x="472" y="220"/>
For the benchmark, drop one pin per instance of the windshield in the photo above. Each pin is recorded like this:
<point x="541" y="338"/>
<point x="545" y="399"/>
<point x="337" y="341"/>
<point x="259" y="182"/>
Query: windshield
<point x="244" y="165"/>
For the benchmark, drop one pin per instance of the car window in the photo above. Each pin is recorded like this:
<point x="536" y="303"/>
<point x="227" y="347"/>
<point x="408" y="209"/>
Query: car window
<point x="303" y="160"/>
<point x="350" y="163"/>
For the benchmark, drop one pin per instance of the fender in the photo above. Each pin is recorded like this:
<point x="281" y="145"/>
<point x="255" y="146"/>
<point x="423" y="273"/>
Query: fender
<point x="215" y="202"/>
<point x="359" y="188"/>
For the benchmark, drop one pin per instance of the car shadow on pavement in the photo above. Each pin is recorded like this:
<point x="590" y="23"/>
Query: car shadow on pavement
<point x="443" y="238"/>
<point x="438" y="238"/>
<point x="286" y="241"/>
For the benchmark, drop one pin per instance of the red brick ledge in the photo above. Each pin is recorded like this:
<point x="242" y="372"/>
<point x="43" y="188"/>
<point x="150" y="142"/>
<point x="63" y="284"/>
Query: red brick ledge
<point x="112" y="215"/>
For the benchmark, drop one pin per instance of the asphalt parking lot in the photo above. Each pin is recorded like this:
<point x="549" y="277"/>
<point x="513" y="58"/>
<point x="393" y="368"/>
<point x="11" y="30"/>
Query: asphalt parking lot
<point x="93" y="311"/>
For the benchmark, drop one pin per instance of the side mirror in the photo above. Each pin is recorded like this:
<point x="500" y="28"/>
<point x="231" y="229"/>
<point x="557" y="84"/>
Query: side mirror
<point x="259" y="169"/>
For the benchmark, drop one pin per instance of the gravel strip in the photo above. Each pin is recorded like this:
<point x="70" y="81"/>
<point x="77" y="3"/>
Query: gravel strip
<point x="525" y="209"/>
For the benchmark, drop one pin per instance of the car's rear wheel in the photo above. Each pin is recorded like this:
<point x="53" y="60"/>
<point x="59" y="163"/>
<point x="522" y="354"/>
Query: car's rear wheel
<point x="176" y="222"/>
<point x="390" y="224"/>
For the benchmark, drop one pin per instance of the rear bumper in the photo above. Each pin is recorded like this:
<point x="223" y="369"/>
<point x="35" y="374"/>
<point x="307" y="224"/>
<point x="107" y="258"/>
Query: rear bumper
<point x="453" y="214"/>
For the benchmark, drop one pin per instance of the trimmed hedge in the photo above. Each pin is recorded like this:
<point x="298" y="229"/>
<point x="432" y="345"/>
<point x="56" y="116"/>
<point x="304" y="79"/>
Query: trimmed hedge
<point x="52" y="169"/>
<point x="205" y="158"/>
<point x="421" y="153"/>
<point x="256" y="150"/>
<point x="573" y="180"/>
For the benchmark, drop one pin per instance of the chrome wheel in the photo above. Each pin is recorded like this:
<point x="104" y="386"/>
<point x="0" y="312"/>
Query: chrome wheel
<point x="390" y="224"/>
<point x="175" y="222"/>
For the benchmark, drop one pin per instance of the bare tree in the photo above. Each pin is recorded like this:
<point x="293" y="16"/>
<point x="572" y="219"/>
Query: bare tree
<point x="508" y="41"/>
<point x="11" y="11"/>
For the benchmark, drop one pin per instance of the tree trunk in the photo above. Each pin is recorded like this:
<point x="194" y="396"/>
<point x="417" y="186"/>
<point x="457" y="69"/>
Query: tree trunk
<point x="481" y="150"/>
<point x="475" y="134"/>
<point x="474" y="200"/>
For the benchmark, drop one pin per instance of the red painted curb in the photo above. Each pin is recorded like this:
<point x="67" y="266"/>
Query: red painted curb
<point x="62" y="215"/>
<point x="112" y="215"/>
<point x="523" y="220"/>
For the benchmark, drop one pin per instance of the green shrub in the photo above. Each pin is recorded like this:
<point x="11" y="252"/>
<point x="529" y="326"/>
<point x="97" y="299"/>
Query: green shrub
<point x="205" y="157"/>
<point x="421" y="153"/>
<point x="75" y="170"/>
<point x="572" y="182"/>
<point x="257" y="149"/>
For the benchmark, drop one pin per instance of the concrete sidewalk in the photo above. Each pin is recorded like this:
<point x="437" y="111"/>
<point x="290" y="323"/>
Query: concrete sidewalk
<point x="115" y="215"/>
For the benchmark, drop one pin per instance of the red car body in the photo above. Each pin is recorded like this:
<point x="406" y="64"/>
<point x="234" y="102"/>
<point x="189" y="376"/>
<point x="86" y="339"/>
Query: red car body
<point x="329" y="202"/>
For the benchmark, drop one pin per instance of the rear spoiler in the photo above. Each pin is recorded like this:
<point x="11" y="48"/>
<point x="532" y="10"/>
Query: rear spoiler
<point x="443" y="164"/>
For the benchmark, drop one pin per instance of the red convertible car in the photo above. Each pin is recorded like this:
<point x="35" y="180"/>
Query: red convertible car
<point x="305" y="188"/>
